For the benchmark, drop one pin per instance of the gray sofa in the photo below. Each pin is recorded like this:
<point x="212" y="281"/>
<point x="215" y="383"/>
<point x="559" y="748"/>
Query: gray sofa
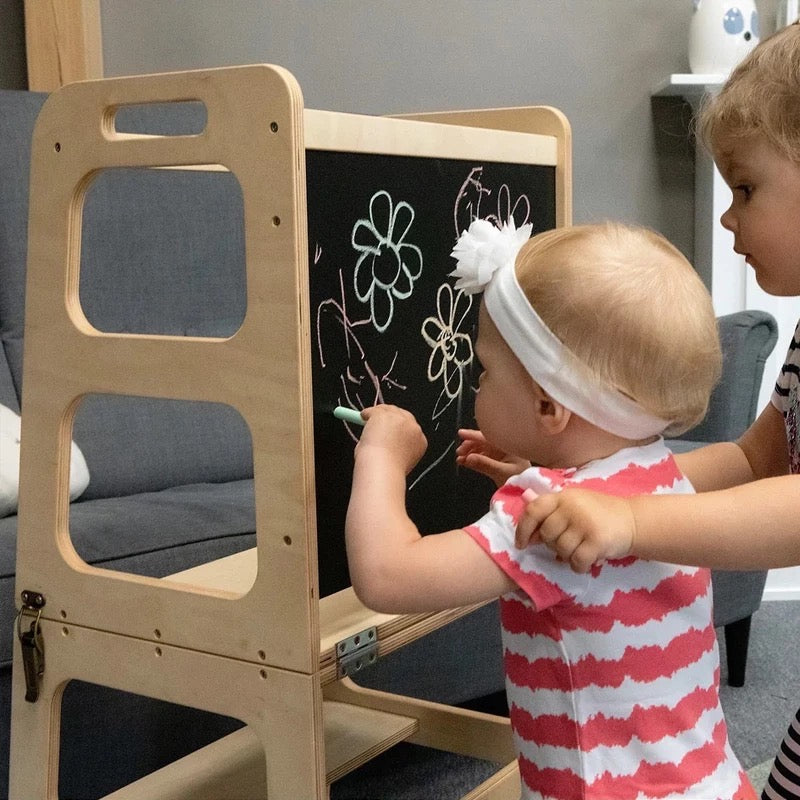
<point x="170" y="482"/>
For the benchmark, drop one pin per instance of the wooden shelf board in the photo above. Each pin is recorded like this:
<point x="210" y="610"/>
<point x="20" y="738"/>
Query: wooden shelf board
<point x="341" y="615"/>
<point x="352" y="737"/>
<point x="235" y="764"/>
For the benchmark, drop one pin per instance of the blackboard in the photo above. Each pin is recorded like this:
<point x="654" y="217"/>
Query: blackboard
<point x="381" y="333"/>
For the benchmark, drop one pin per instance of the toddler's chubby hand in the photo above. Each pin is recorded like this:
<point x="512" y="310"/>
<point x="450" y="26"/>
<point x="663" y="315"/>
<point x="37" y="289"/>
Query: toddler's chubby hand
<point x="580" y="526"/>
<point x="477" y="454"/>
<point x="394" y="432"/>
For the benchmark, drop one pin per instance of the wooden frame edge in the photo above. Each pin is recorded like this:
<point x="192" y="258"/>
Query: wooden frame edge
<point x="63" y="42"/>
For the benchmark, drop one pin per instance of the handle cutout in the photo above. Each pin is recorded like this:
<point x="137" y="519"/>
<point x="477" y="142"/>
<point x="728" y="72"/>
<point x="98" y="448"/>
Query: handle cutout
<point x="179" y="118"/>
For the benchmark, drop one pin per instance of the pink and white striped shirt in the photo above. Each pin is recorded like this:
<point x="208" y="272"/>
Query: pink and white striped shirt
<point x="612" y="677"/>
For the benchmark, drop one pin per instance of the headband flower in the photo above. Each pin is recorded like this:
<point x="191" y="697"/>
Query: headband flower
<point x="482" y="249"/>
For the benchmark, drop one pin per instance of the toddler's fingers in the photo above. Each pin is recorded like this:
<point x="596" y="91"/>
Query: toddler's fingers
<point x="381" y="408"/>
<point x="538" y="509"/>
<point x="470" y="434"/>
<point x="583" y="558"/>
<point x="367" y="412"/>
<point x="566" y="544"/>
<point x="479" y="462"/>
<point x="471" y="442"/>
<point x="465" y="448"/>
<point x="483" y="465"/>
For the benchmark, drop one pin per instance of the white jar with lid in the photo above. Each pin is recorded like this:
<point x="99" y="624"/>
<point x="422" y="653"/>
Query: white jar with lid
<point x="721" y="34"/>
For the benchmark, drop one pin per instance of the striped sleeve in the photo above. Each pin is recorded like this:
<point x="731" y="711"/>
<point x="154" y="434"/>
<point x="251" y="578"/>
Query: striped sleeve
<point x="789" y="375"/>
<point x="535" y="569"/>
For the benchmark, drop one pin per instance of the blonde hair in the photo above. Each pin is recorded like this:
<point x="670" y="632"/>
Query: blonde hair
<point x="760" y="98"/>
<point x="632" y="309"/>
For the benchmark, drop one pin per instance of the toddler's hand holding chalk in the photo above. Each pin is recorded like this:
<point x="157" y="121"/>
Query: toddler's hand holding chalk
<point x="392" y="435"/>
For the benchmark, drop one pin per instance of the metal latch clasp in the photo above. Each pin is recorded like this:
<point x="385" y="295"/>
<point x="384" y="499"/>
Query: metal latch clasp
<point x="32" y="642"/>
<point x="356" y="652"/>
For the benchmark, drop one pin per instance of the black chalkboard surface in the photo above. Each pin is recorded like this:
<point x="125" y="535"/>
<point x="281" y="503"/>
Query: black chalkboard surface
<point x="387" y="324"/>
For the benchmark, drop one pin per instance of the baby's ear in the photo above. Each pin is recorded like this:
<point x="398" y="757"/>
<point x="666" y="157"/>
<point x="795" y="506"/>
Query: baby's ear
<point x="553" y="416"/>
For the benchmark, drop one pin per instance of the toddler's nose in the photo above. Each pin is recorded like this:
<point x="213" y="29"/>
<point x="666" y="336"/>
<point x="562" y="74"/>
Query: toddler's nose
<point x="728" y="221"/>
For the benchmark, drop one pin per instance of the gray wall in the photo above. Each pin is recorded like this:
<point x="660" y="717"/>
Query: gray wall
<point x="596" y="60"/>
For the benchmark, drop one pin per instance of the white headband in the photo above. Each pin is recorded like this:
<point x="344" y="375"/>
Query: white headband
<point x="486" y="256"/>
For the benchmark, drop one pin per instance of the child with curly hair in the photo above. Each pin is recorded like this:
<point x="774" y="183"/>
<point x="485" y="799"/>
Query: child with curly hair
<point x="745" y="514"/>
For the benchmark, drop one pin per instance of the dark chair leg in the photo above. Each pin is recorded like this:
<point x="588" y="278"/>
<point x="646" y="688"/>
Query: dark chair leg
<point x="737" y="639"/>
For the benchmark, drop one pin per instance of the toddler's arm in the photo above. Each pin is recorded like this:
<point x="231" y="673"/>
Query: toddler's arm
<point x="746" y="526"/>
<point x="761" y="452"/>
<point x="392" y="568"/>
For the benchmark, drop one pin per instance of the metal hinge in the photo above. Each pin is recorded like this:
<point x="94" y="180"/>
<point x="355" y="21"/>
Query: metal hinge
<point x="31" y="642"/>
<point x="356" y="652"/>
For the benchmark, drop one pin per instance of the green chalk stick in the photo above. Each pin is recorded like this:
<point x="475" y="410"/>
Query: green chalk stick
<point x="349" y="415"/>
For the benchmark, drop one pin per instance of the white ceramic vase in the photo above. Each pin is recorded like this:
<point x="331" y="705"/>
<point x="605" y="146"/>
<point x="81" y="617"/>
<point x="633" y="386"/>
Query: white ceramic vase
<point x="721" y="34"/>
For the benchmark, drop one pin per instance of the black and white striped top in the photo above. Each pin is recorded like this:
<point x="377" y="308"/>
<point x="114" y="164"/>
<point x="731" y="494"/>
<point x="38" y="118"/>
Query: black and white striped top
<point x="784" y="780"/>
<point x="785" y="399"/>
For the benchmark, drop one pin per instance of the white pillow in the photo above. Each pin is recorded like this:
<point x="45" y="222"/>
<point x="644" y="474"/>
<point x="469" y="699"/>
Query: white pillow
<point x="9" y="464"/>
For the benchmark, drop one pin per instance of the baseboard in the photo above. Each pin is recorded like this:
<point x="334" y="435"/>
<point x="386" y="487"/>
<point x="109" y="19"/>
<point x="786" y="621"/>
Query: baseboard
<point x="783" y="584"/>
<point x="781" y="593"/>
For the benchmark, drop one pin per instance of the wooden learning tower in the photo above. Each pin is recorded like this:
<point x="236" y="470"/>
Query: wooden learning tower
<point x="246" y="636"/>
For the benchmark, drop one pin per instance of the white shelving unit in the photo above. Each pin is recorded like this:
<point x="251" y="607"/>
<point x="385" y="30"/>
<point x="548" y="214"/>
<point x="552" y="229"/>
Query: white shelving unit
<point x="732" y="283"/>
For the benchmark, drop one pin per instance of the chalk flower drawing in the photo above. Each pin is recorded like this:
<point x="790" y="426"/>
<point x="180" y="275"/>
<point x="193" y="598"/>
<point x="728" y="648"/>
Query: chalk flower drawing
<point x="451" y="350"/>
<point x="470" y="204"/>
<point x="388" y="265"/>
<point x="361" y="385"/>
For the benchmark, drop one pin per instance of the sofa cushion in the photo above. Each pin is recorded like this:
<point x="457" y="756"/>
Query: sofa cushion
<point x="10" y="438"/>
<point x="145" y="534"/>
<point x="747" y="339"/>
